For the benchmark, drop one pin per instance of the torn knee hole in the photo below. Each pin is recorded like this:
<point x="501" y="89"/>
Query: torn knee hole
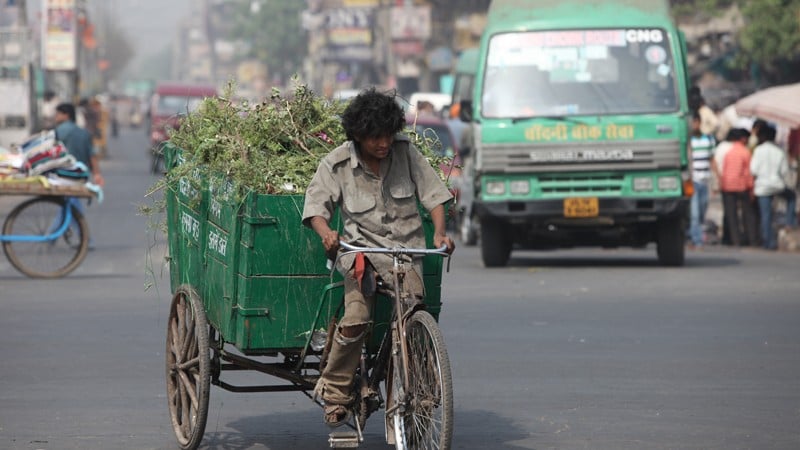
<point x="348" y="334"/>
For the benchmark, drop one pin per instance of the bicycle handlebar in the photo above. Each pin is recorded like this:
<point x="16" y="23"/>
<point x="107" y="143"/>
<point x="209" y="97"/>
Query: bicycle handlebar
<point x="394" y="251"/>
<point x="349" y="248"/>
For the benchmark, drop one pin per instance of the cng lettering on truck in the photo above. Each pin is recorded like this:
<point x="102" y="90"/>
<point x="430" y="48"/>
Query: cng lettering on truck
<point x="190" y="226"/>
<point x="581" y="155"/>
<point x="217" y="243"/>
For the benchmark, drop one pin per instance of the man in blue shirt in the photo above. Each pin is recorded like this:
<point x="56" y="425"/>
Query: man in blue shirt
<point x="77" y="140"/>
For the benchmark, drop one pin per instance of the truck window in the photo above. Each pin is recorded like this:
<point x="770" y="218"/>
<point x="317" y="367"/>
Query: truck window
<point x="172" y="105"/>
<point x="579" y="72"/>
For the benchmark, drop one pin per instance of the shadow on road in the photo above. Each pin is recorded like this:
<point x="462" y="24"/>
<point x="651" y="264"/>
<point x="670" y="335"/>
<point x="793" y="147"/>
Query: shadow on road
<point x="15" y="276"/>
<point x="304" y="430"/>
<point x="613" y="258"/>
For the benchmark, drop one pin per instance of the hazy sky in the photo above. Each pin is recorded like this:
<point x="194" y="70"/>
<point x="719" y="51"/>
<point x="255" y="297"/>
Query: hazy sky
<point x="149" y="24"/>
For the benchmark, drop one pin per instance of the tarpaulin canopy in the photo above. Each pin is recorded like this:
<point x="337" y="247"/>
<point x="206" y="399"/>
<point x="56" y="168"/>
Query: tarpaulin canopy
<point x="779" y="104"/>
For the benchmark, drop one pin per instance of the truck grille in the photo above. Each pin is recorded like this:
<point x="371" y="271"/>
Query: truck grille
<point x="579" y="156"/>
<point x="559" y="186"/>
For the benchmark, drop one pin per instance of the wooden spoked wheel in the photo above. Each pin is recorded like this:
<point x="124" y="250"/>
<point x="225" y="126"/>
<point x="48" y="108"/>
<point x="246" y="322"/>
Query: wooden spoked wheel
<point x="188" y="367"/>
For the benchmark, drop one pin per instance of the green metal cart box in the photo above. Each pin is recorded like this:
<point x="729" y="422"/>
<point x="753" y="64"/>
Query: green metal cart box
<point x="261" y="274"/>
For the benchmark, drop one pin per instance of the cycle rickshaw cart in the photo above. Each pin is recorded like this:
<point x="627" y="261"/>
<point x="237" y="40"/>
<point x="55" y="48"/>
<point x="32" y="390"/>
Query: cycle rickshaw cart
<point x="46" y="235"/>
<point x="252" y="292"/>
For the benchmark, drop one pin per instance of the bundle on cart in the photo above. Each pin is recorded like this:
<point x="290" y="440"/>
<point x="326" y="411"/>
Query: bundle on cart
<point x="42" y="165"/>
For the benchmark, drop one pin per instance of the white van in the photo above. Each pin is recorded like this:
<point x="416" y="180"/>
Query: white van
<point x="437" y="99"/>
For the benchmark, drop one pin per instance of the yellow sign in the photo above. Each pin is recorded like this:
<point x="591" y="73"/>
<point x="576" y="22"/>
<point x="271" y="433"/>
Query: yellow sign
<point x="581" y="207"/>
<point x="560" y="132"/>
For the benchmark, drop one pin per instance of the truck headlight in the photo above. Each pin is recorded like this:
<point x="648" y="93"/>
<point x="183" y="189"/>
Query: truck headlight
<point x="496" y="187"/>
<point x="642" y="184"/>
<point x="520" y="187"/>
<point x="668" y="183"/>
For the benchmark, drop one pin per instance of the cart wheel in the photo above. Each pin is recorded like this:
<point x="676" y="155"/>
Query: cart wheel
<point x="188" y="367"/>
<point x="53" y="258"/>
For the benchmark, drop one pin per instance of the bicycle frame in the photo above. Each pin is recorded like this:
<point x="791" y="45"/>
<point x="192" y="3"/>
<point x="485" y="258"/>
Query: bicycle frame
<point x="400" y="311"/>
<point x="65" y="221"/>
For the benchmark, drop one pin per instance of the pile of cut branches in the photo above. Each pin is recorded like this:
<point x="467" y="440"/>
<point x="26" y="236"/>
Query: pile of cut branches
<point x="273" y="147"/>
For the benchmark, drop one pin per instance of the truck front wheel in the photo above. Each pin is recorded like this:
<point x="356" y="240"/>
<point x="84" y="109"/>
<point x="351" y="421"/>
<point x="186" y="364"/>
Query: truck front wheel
<point x="495" y="243"/>
<point x="670" y="242"/>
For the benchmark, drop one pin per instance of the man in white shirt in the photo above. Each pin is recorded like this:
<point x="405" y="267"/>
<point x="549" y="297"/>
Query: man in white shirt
<point x="770" y="168"/>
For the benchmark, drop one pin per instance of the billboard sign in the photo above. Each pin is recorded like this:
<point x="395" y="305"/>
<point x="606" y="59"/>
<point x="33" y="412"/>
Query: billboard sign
<point x="349" y="33"/>
<point x="411" y="22"/>
<point x="60" y="35"/>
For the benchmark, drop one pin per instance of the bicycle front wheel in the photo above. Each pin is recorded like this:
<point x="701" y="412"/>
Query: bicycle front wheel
<point x="425" y="419"/>
<point x="45" y="258"/>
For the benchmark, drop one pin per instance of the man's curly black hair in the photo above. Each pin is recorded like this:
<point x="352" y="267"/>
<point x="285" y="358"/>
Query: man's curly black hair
<point x="372" y="114"/>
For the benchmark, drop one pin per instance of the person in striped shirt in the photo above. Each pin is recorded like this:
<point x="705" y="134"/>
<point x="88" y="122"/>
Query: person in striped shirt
<point x="702" y="151"/>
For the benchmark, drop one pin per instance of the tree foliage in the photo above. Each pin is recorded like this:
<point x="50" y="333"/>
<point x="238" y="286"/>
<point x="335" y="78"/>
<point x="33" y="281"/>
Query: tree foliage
<point x="273" y="30"/>
<point x="771" y="37"/>
<point x="769" y="42"/>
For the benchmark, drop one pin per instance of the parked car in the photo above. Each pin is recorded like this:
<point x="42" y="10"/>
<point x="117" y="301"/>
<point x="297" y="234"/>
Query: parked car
<point x="170" y="102"/>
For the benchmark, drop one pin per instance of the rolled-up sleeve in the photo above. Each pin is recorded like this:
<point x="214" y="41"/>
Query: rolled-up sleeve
<point x="322" y="194"/>
<point x="431" y="190"/>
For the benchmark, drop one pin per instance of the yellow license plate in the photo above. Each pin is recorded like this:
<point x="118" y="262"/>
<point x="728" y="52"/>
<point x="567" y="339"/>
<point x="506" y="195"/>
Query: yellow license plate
<point x="581" y="207"/>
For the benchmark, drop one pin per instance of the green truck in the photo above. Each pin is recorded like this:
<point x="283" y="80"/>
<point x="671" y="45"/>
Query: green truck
<point x="578" y="129"/>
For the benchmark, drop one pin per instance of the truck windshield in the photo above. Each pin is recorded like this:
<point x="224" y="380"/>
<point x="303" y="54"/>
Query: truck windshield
<point x="173" y="105"/>
<point x="579" y="72"/>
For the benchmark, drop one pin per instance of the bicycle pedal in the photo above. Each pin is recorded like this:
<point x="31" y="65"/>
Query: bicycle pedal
<point x="343" y="439"/>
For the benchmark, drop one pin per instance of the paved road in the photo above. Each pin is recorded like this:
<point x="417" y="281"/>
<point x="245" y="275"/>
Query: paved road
<point x="580" y="349"/>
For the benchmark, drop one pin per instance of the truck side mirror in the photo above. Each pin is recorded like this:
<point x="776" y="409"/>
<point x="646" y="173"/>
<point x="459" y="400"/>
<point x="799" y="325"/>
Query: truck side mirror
<point x="465" y="110"/>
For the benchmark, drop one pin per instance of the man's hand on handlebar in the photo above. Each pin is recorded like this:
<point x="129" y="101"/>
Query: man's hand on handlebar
<point x="440" y="240"/>
<point x="330" y="240"/>
<point x="329" y="236"/>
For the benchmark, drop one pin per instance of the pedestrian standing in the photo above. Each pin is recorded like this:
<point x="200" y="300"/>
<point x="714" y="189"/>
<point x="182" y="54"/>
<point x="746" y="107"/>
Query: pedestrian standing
<point x="770" y="168"/>
<point x="708" y="118"/>
<point x="717" y="159"/>
<point x="49" y="110"/>
<point x="702" y="151"/>
<point x="736" y="184"/>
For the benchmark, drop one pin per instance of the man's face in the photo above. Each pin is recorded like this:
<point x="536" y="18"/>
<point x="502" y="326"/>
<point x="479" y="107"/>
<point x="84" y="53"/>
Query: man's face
<point x="376" y="147"/>
<point x="695" y="127"/>
<point x="61" y="117"/>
